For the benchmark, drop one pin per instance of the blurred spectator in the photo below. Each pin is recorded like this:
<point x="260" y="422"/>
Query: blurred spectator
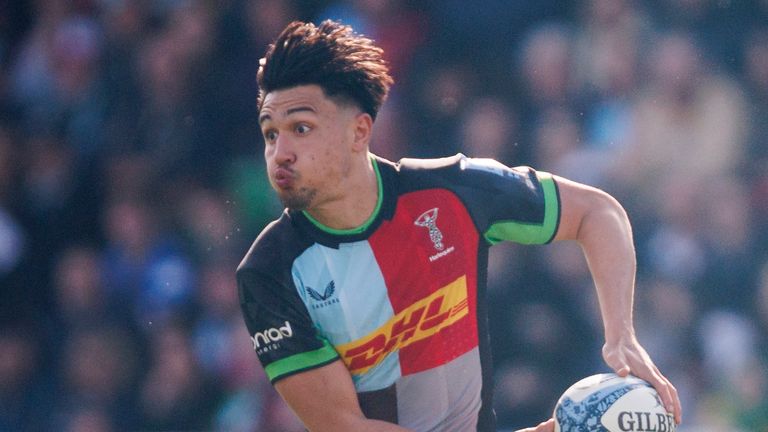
<point x="754" y="403"/>
<point x="756" y="80"/>
<point x="719" y="25"/>
<point x="16" y="247"/>
<point x="674" y="248"/>
<point x="49" y="182"/>
<point x="523" y="394"/>
<point x="217" y="322"/>
<point x="99" y="368"/>
<point x="12" y="246"/>
<point x="397" y="27"/>
<point x="490" y="129"/>
<point x="55" y="81"/>
<point x="546" y="62"/>
<point x="761" y="302"/>
<point x="163" y="129"/>
<point x="545" y="59"/>
<point x="441" y="94"/>
<point x="557" y="145"/>
<point x="389" y="138"/>
<point x="688" y="124"/>
<point x="25" y="396"/>
<point x="175" y="394"/>
<point x="729" y="348"/>
<point x="79" y="285"/>
<point x="728" y="281"/>
<point x="147" y="271"/>
<point x="608" y="70"/>
<point x="482" y="32"/>
<point x="88" y="419"/>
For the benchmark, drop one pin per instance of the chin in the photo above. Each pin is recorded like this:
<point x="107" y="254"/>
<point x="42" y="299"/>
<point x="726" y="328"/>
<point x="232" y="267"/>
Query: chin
<point x="297" y="200"/>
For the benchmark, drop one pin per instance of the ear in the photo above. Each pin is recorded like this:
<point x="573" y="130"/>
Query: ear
<point x="363" y="128"/>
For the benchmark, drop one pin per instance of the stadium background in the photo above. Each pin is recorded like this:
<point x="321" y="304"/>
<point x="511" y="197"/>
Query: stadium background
<point x="131" y="183"/>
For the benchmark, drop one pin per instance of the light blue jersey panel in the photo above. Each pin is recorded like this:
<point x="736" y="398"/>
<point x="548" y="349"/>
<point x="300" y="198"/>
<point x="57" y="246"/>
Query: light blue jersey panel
<point x="346" y="297"/>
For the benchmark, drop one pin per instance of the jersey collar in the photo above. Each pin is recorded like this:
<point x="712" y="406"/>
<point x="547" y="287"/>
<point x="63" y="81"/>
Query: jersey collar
<point x="384" y="210"/>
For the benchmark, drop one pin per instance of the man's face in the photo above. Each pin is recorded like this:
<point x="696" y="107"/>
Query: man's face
<point x="308" y="145"/>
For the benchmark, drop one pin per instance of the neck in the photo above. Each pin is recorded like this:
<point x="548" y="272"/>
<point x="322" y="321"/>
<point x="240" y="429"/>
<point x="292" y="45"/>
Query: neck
<point x="357" y="203"/>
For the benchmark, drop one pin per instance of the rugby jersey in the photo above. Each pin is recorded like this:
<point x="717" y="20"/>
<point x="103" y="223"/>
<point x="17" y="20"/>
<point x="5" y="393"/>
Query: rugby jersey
<point x="400" y="300"/>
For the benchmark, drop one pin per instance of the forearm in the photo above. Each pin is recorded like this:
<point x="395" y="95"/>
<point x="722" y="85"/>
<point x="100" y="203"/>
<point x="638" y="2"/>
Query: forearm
<point x="605" y="236"/>
<point x="600" y="225"/>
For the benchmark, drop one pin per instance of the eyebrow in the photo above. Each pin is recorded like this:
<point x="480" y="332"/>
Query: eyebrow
<point x="265" y="117"/>
<point x="299" y="109"/>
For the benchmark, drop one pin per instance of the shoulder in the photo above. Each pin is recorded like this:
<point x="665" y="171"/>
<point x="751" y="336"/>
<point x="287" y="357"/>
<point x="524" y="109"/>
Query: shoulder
<point x="461" y="171"/>
<point x="412" y="164"/>
<point x="415" y="174"/>
<point x="278" y="244"/>
<point x="264" y="274"/>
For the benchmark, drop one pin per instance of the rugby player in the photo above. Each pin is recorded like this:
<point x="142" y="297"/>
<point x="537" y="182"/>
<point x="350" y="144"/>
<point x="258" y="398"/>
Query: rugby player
<point x="365" y="300"/>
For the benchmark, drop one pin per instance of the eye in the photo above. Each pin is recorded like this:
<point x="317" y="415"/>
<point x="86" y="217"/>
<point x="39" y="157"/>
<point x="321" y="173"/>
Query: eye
<point x="302" y="129"/>
<point x="270" y="136"/>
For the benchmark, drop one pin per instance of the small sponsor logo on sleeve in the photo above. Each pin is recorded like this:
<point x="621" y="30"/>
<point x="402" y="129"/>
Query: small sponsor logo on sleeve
<point x="271" y="338"/>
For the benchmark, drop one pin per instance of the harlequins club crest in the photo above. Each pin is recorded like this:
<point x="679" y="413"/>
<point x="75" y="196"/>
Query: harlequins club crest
<point x="428" y="219"/>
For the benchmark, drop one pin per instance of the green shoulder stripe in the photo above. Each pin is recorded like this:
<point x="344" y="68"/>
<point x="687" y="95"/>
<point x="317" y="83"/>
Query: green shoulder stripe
<point x="531" y="233"/>
<point x="301" y="361"/>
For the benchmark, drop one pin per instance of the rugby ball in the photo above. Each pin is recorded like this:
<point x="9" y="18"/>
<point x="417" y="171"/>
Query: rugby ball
<point x="610" y="403"/>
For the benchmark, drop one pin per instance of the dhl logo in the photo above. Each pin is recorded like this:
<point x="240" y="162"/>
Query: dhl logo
<point x="419" y="321"/>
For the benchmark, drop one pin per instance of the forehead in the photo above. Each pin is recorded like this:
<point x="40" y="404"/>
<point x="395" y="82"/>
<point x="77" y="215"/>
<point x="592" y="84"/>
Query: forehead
<point x="280" y="103"/>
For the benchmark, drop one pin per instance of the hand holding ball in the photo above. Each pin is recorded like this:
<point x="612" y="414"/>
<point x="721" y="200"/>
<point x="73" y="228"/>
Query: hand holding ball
<point x="610" y="403"/>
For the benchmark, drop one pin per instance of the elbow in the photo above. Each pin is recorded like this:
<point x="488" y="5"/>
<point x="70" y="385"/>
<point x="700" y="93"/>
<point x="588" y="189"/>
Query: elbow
<point x="587" y="212"/>
<point x="604" y="213"/>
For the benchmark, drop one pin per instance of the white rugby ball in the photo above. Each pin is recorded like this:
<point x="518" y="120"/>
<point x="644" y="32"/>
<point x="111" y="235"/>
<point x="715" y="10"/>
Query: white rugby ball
<point x="610" y="403"/>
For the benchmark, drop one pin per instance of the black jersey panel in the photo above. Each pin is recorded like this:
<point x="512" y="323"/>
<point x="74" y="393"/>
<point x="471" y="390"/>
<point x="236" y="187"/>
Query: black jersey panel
<point x="283" y="334"/>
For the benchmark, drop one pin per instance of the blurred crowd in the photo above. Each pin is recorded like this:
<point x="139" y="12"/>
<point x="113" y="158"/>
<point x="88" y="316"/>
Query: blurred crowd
<point x="132" y="183"/>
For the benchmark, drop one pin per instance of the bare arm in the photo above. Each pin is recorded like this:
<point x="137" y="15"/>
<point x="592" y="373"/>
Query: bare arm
<point x="600" y="225"/>
<point x="325" y="400"/>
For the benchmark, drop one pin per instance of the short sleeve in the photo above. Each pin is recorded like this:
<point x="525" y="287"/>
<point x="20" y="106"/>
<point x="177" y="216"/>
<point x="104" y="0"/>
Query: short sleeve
<point x="518" y="204"/>
<point x="283" y="335"/>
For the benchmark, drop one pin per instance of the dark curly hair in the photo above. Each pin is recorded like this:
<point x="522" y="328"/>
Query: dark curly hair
<point x="347" y="66"/>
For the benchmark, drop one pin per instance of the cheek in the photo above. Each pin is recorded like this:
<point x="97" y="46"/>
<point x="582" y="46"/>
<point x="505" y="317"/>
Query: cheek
<point x="331" y="159"/>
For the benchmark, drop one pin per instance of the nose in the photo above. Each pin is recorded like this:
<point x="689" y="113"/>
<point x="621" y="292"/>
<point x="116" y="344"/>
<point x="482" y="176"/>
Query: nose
<point x="284" y="151"/>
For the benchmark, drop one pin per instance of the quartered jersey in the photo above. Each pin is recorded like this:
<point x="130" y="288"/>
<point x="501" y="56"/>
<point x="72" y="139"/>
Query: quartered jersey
<point x="399" y="300"/>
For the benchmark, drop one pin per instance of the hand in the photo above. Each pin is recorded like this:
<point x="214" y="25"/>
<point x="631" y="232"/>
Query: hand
<point x="547" y="426"/>
<point x="627" y="356"/>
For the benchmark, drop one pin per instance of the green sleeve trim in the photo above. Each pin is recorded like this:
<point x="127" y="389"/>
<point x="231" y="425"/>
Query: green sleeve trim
<point x="531" y="233"/>
<point x="301" y="361"/>
<point x="367" y="223"/>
